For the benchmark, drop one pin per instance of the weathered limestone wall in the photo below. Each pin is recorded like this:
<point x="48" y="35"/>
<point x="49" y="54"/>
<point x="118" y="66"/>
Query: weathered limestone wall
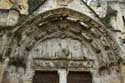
<point x="8" y="4"/>
<point x="8" y="17"/>
<point x="15" y="74"/>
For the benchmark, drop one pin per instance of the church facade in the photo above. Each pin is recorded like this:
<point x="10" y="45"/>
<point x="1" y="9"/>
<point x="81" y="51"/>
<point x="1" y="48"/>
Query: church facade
<point x="62" y="41"/>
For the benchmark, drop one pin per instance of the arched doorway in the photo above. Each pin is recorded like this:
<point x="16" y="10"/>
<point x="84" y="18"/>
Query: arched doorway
<point x="62" y="39"/>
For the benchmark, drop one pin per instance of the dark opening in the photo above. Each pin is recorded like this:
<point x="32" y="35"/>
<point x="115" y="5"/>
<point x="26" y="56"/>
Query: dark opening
<point x="46" y="77"/>
<point x="123" y="17"/>
<point x="79" y="77"/>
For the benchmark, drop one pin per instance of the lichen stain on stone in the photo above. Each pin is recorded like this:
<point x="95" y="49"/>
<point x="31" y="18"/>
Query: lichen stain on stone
<point x="8" y="4"/>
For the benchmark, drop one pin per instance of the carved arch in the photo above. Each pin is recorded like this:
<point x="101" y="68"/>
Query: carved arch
<point x="64" y="23"/>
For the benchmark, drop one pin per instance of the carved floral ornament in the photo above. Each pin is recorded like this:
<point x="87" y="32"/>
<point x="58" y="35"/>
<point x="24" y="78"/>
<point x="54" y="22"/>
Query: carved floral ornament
<point x="61" y="24"/>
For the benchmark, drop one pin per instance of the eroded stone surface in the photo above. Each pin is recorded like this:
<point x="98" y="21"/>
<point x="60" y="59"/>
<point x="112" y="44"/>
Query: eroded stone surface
<point x="62" y="38"/>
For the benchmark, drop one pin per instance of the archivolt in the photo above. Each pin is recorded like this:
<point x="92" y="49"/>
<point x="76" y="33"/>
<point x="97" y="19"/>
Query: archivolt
<point x="63" y="23"/>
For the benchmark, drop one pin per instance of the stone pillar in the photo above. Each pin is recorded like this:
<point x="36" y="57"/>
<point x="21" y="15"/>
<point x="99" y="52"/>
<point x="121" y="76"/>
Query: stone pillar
<point x="124" y="72"/>
<point x="28" y="78"/>
<point x="0" y="72"/>
<point x="3" y="66"/>
<point x="62" y="76"/>
<point x="121" y="72"/>
<point x="95" y="77"/>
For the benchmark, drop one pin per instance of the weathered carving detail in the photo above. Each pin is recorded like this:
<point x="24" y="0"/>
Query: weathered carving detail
<point x="64" y="2"/>
<point x="56" y="24"/>
<point x="66" y="37"/>
<point x="61" y="48"/>
<point x="68" y="64"/>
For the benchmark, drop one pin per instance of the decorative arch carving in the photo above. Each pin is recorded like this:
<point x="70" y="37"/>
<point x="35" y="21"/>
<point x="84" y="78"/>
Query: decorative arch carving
<point x="63" y="23"/>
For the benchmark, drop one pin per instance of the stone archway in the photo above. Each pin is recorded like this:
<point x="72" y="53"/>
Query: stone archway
<point x="54" y="28"/>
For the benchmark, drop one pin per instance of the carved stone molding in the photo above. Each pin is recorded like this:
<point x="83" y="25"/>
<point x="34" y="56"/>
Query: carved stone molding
<point x="64" y="23"/>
